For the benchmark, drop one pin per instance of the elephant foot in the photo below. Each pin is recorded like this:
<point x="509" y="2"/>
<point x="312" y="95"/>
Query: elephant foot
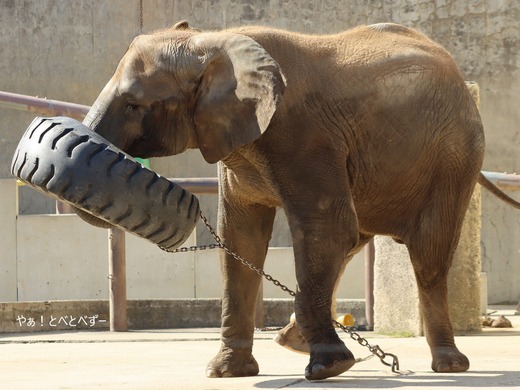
<point x="328" y="360"/>
<point x="291" y="338"/>
<point x="230" y="363"/>
<point x="449" y="359"/>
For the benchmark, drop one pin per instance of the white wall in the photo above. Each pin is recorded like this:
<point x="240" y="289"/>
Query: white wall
<point x="60" y="257"/>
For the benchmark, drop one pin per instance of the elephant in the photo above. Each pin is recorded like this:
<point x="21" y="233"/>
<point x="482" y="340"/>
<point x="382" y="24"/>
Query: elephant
<point x="370" y="131"/>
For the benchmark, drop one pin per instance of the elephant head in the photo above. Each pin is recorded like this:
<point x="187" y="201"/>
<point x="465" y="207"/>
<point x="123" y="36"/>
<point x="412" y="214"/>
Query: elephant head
<point x="181" y="88"/>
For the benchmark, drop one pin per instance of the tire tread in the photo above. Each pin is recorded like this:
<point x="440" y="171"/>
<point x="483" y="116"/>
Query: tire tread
<point x="64" y="159"/>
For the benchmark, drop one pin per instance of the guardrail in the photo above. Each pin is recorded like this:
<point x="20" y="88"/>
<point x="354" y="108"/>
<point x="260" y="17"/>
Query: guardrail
<point x="116" y="255"/>
<point x="117" y="267"/>
<point x="42" y="106"/>
<point x="505" y="181"/>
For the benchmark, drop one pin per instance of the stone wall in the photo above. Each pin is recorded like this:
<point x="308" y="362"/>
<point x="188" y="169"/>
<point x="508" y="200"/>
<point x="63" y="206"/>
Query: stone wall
<point x="67" y="50"/>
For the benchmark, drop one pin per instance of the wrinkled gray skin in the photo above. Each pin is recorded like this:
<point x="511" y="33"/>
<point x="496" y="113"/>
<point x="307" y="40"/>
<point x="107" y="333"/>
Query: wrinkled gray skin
<point x="371" y="131"/>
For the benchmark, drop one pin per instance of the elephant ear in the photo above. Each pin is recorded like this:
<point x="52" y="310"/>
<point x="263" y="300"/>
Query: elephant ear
<point x="184" y="25"/>
<point x="240" y="88"/>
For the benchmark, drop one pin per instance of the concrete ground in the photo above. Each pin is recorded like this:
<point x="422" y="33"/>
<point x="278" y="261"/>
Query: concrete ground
<point x="176" y="359"/>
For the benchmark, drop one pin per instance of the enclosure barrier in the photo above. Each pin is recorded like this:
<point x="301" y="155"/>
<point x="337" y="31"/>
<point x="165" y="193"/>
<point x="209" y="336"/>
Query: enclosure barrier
<point x="42" y="106"/>
<point x="116" y="237"/>
<point x="197" y="186"/>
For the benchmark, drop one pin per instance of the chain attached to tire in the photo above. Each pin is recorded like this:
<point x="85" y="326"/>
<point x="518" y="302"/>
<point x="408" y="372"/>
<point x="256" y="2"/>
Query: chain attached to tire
<point x="374" y="349"/>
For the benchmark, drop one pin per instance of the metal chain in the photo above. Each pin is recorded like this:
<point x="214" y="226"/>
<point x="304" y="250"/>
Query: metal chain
<point x="140" y="16"/>
<point x="374" y="349"/>
<point x="220" y="244"/>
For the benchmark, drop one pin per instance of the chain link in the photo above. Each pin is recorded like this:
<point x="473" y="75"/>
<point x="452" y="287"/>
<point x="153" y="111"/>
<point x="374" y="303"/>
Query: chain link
<point x="374" y="349"/>
<point x="220" y="244"/>
<point x="141" y="16"/>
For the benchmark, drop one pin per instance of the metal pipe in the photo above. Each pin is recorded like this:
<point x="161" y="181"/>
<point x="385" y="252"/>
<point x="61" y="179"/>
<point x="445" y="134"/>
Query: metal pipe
<point x="209" y="185"/>
<point x="200" y="185"/>
<point x="506" y="181"/>
<point x="42" y="106"/>
<point x="370" y="255"/>
<point x="196" y="185"/>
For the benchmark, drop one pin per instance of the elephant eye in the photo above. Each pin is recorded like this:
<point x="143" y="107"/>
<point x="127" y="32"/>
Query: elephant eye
<point x="130" y="107"/>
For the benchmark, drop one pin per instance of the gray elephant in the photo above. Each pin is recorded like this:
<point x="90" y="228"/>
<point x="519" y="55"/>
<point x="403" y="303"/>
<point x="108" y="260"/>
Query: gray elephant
<point x="369" y="131"/>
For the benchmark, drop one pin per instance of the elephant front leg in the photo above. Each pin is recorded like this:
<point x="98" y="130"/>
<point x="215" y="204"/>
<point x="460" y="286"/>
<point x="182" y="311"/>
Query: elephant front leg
<point x="246" y="231"/>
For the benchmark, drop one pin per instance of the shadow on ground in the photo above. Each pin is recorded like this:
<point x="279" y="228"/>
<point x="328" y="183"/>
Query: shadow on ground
<point x="470" y="380"/>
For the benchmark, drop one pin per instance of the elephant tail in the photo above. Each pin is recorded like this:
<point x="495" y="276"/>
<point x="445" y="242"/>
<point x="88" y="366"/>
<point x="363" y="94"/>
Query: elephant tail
<point x="487" y="184"/>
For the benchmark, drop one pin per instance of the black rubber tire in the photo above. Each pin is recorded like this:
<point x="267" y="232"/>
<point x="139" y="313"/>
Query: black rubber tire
<point x="65" y="159"/>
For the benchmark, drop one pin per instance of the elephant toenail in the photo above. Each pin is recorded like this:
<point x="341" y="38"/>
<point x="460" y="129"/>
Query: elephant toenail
<point x="211" y="373"/>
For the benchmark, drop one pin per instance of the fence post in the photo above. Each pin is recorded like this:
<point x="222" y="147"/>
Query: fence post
<point x="369" y="283"/>
<point x="259" y="313"/>
<point x="117" y="280"/>
<point x="8" y="242"/>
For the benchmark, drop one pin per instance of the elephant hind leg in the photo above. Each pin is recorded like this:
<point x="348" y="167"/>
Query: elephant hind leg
<point x="439" y="332"/>
<point x="290" y="336"/>
<point x="431" y="248"/>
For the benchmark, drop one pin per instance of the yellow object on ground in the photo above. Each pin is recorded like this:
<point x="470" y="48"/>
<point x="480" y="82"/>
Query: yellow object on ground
<point x="346" y="320"/>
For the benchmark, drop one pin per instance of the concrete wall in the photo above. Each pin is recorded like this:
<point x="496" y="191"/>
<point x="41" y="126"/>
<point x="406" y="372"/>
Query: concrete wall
<point x="60" y="257"/>
<point x="67" y="50"/>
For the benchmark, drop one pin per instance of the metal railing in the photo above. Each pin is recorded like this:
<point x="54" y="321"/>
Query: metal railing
<point x="504" y="181"/>
<point x="42" y="106"/>
<point x="117" y="268"/>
